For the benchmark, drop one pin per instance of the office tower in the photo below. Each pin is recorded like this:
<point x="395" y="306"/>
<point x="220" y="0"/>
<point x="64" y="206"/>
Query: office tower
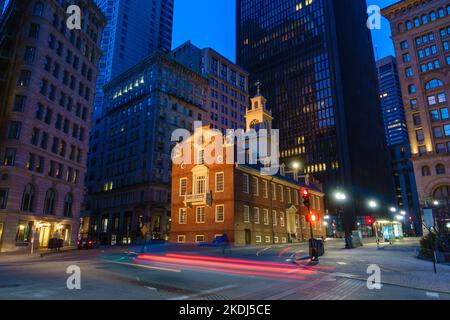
<point x="315" y="61"/>
<point x="135" y="29"/>
<point x="397" y="140"/>
<point x="46" y="99"/>
<point x="238" y="202"/>
<point x="228" y="96"/>
<point x="130" y="162"/>
<point x="421" y="35"/>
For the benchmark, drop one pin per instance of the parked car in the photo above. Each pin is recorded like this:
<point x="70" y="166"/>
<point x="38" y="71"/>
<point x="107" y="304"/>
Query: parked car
<point x="86" y="244"/>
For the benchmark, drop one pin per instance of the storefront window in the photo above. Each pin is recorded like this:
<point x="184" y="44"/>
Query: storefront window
<point x="24" y="230"/>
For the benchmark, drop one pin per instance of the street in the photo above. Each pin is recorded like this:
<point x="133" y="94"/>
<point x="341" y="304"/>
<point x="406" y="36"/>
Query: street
<point x="167" y="272"/>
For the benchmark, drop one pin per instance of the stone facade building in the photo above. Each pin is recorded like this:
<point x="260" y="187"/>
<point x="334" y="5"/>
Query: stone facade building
<point x="421" y="35"/>
<point x="228" y="93"/>
<point x="47" y="86"/>
<point x="129" y="171"/>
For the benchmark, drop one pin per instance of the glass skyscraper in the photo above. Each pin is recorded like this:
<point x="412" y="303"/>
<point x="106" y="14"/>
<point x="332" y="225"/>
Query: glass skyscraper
<point x="134" y="31"/>
<point x="397" y="140"/>
<point x="315" y="61"/>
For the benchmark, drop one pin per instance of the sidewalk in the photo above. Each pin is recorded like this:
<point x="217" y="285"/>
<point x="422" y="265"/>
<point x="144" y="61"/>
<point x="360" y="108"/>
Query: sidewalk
<point x="398" y="263"/>
<point x="26" y="255"/>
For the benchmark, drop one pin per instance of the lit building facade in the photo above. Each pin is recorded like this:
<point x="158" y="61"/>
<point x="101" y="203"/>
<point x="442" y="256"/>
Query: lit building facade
<point x="213" y="200"/>
<point x="397" y="140"/>
<point x="315" y="61"/>
<point x="228" y="95"/>
<point x="129" y="170"/>
<point x="421" y="35"/>
<point x="47" y="86"/>
<point x="135" y="29"/>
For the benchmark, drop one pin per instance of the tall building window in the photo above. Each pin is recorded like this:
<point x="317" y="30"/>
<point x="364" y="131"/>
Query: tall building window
<point x="49" y="204"/>
<point x="15" y="128"/>
<point x="19" y="103"/>
<point x="440" y="169"/>
<point x="24" y="78"/>
<point x="200" y="215"/>
<point x="68" y="203"/>
<point x="200" y="184"/>
<point x="274" y="191"/>
<point x="426" y="172"/>
<point x="266" y="217"/>
<point x="246" y="214"/>
<point x="220" y="213"/>
<point x="282" y="222"/>
<point x="182" y="219"/>
<point x="265" y="191"/>
<point x="256" y="215"/>
<point x="10" y="157"/>
<point x="220" y="182"/>
<point x="3" y="198"/>
<point x="274" y="218"/>
<point x="183" y="187"/>
<point x="245" y="183"/>
<point x="38" y="9"/>
<point x="255" y="186"/>
<point x="28" y="198"/>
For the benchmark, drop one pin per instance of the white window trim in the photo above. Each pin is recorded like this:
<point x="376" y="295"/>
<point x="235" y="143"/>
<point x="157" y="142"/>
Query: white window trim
<point x="267" y="239"/>
<point x="181" y="180"/>
<point x="179" y="216"/>
<point x="223" y="213"/>
<point x="282" y="219"/>
<point x="266" y="214"/>
<point x="265" y="189"/>
<point x="181" y="237"/>
<point x="274" y="218"/>
<point x="256" y="214"/>
<point x="276" y="239"/>
<point x="258" y="239"/>
<point x="281" y="193"/>
<point x="199" y="235"/>
<point x="249" y="214"/>
<point x="223" y="182"/>
<point x="245" y="184"/>
<point x="273" y="191"/>
<point x="196" y="215"/>
<point x="256" y="186"/>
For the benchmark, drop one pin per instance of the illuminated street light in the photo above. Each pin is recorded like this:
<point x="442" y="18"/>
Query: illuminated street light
<point x="448" y="225"/>
<point x="393" y="210"/>
<point x="436" y="203"/>
<point x="403" y="213"/>
<point x="296" y="165"/>
<point x="373" y="204"/>
<point x="327" y="217"/>
<point x="399" y="217"/>
<point x="340" y="196"/>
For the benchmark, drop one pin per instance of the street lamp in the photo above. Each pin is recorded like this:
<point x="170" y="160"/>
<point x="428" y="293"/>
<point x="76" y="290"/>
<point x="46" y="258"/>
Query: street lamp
<point x="393" y="209"/>
<point x="436" y="203"/>
<point x="403" y="213"/>
<point x="296" y="165"/>
<point x="340" y="196"/>
<point x="399" y="217"/>
<point x="373" y="204"/>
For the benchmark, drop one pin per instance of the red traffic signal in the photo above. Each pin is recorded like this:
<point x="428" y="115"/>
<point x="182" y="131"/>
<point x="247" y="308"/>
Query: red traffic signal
<point x="369" y="221"/>
<point x="312" y="217"/>
<point x="305" y="193"/>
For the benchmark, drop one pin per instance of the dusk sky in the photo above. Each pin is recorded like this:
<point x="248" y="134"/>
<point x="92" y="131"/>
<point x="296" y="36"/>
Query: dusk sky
<point x="211" y="23"/>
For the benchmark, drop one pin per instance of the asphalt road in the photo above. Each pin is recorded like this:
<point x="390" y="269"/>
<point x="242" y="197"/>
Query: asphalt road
<point x="185" y="273"/>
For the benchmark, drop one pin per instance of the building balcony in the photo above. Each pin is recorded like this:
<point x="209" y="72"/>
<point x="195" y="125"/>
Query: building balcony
<point x="197" y="199"/>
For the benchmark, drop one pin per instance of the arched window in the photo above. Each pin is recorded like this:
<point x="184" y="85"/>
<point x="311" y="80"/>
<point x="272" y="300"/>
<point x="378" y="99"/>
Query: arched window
<point x="433" y="84"/>
<point x="426" y="172"/>
<point x="28" y="198"/>
<point x="416" y="22"/>
<point x="255" y="124"/>
<point x="442" y="193"/>
<point x="408" y="25"/>
<point x="441" y="12"/>
<point x="68" y="201"/>
<point x="38" y="9"/>
<point x="440" y="169"/>
<point x="432" y="16"/>
<point x="424" y="19"/>
<point x="49" y="204"/>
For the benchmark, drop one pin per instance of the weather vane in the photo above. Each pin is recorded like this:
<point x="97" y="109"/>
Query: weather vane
<point x="258" y="85"/>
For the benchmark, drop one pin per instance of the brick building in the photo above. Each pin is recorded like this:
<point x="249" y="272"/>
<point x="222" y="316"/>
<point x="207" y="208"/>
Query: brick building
<point x="209" y="200"/>
<point x="421" y="35"/>
<point x="47" y="86"/>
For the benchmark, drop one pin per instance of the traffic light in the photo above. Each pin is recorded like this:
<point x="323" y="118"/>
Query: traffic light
<point x="312" y="217"/>
<point x="369" y="221"/>
<point x="306" y="198"/>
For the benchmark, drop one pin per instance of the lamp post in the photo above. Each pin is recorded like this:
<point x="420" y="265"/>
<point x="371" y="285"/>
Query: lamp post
<point x="340" y="198"/>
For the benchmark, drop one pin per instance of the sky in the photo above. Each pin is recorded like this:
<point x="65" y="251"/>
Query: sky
<point x="211" y="23"/>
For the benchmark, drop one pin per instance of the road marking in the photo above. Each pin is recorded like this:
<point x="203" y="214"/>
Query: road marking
<point x="150" y="288"/>
<point x="206" y="292"/>
<point x="261" y="251"/>
<point x="146" y="267"/>
<point x="342" y="263"/>
<point x="433" y="295"/>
